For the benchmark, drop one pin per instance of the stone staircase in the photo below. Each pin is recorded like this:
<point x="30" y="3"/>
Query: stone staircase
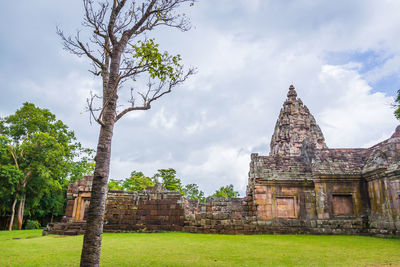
<point x="66" y="228"/>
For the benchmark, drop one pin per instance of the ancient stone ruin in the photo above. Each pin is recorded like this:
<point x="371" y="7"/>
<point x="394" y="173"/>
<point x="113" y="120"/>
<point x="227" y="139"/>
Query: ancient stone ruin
<point x="301" y="187"/>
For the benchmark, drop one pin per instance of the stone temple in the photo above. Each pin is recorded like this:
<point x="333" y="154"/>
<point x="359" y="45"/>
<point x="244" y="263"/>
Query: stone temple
<point x="301" y="187"/>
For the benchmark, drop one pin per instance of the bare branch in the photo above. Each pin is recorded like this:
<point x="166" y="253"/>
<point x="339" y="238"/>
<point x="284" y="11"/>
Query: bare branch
<point x="162" y="14"/>
<point x="92" y="110"/>
<point x="95" y="19"/>
<point x="116" y="9"/>
<point x="125" y="21"/>
<point x="86" y="50"/>
<point x="145" y="14"/>
<point x="76" y="47"/>
<point x="156" y="93"/>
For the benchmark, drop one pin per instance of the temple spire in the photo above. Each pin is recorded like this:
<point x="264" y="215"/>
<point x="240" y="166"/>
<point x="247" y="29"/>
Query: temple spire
<point x="295" y="125"/>
<point x="292" y="94"/>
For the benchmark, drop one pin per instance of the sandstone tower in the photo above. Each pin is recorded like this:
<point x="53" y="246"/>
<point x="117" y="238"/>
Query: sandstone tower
<point x="338" y="190"/>
<point x="295" y="125"/>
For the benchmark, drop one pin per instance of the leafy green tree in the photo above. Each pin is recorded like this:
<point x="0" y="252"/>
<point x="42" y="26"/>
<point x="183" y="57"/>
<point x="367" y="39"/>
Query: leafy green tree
<point x="397" y="111"/>
<point x="192" y="191"/>
<point x="167" y="179"/>
<point x="44" y="150"/>
<point x="115" y="185"/>
<point x="51" y="204"/>
<point x="41" y="158"/>
<point x="137" y="182"/>
<point x="226" y="192"/>
<point x="10" y="178"/>
<point x="83" y="165"/>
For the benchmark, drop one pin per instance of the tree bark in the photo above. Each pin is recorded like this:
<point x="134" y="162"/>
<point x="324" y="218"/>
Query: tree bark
<point x="12" y="214"/>
<point x="21" y="212"/>
<point x="94" y="226"/>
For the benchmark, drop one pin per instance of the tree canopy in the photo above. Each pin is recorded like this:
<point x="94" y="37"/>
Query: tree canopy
<point x="164" y="177"/>
<point x="136" y="182"/>
<point x="167" y="179"/>
<point x="192" y="191"/>
<point x="39" y="157"/>
<point x="115" y="185"/>
<point x="226" y="192"/>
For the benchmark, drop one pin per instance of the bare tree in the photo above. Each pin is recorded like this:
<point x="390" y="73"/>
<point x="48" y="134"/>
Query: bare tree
<point x="120" y="52"/>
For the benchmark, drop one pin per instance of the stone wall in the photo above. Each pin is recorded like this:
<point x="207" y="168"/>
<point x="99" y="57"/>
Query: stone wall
<point x="158" y="210"/>
<point x="336" y="198"/>
<point x="385" y="204"/>
<point x="382" y="173"/>
<point x="218" y="215"/>
<point x="150" y="210"/>
<point x="232" y="216"/>
<point x="278" y="199"/>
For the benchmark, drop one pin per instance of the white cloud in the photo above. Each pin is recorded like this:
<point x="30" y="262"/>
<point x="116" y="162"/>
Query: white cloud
<point x="356" y="116"/>
<point x="69" y="92"/>
<point x="219" y="166"/>
<point x="163" y="120"/>
<point x="391" y="66"/>
<point x="203" y="123"/>
<point x="135" y="114"/>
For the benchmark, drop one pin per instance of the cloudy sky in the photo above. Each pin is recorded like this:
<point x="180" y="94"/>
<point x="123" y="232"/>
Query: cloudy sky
<point x="342" y="56"/>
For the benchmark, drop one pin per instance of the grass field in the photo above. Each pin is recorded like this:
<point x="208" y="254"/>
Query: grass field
<point x="29" y="248"/>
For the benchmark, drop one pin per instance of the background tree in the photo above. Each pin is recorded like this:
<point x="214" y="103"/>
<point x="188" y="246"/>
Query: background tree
<point x="226" y="192"/>
<point x="83" y="165"/>
<point x="137" y="182"/>
<point x="167" y="179"/>
<point x="192" y="191"/>
<point x="10" y="178"/>
<point x="41" y="149"/>
<point x="164" y="177"/>
<point x="120" y="52"/>
<point x="115" y="185"/>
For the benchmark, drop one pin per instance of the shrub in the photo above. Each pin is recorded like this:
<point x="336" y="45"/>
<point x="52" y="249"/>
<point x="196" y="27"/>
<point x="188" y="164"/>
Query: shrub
<point x="32" y="224"/>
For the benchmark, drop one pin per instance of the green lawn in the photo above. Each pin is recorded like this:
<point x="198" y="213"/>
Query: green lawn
<point x="29" y="248"/>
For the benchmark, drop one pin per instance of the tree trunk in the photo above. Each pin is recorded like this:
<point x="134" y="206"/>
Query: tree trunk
<point x="12" y="214"/>
<point x="21" y="212"/>
<point x="94" y="226"/>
